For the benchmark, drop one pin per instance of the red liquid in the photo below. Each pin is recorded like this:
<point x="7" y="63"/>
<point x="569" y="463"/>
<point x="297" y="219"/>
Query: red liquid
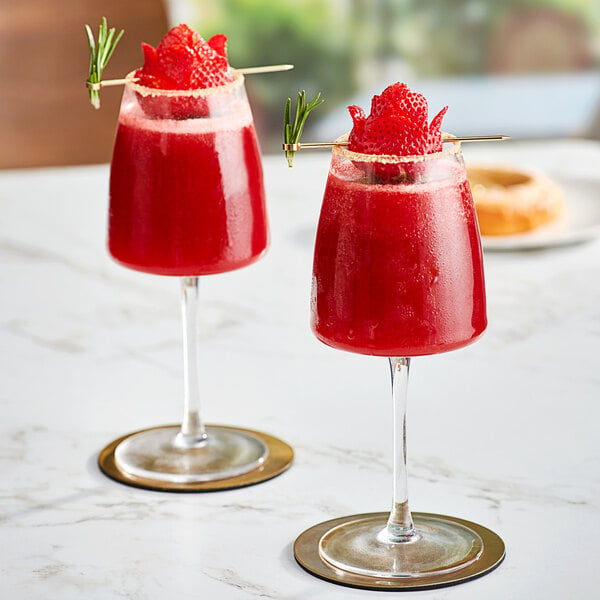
<point x="398" y="269"/>
<point x="186" y="197"/>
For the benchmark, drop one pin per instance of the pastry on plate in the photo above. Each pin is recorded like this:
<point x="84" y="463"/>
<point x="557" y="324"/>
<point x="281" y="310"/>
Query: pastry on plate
<point x="511" y="201"/>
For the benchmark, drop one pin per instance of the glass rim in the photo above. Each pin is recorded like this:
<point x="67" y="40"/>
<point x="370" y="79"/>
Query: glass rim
<point x="453" y="150"/>
<point x="238" y="80"/>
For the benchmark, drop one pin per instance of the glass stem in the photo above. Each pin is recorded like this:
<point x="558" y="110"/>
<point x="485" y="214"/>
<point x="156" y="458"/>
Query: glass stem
<point x="400" y="527"/>
<point x="193" y="433"/>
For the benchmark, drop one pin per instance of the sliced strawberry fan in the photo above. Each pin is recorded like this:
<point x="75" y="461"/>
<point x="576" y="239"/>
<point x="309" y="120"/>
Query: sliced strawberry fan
<point x="182" y="61"/>
<point x="396" y="126"/>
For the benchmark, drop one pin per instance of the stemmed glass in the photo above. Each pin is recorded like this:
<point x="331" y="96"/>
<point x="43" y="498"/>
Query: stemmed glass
<point x="398" y="273"/>
<point x="186" y="200"/>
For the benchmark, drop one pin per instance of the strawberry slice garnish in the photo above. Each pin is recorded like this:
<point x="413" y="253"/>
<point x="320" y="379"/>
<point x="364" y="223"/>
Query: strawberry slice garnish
<point x="434" y="139"/>
<point x="399" y="99"/>
<point x="149" y="53"/>
<point x="182" y="35"/>
<point x="358" y="118"/>
<point x="218" y="43"/>
<point x="183" y="61"/>
<point x="396" y="126"/>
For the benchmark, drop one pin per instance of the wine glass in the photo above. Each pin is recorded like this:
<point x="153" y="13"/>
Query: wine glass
<point x="187" y="199"/>
<point x="398" y="273"/>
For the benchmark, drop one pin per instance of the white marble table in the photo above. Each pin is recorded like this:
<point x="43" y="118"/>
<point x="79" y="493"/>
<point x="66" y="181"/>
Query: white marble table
<point x="504" y="432"/>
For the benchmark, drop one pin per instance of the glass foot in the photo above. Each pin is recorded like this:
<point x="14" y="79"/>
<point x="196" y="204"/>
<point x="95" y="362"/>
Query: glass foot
<point x="156" y="454"/>
<point x="360" y="546"/>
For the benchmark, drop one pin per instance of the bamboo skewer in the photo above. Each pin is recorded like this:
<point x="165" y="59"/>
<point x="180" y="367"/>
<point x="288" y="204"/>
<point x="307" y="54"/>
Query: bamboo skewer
<point x="245" y="71"/>
<point x="108" y="83"/>
<point x="476" y="138"/>
<point x="471" y="138"/>
<point x="265" y="69"/>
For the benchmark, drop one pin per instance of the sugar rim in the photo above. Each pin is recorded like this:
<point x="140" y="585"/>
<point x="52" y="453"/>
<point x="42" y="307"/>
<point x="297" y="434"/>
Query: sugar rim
<point x="238" y="80"/>
<point x="391" y="158"/>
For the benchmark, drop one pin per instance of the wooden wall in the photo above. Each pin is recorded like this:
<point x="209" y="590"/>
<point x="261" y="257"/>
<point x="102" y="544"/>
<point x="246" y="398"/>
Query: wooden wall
<point x="45" y="116"/>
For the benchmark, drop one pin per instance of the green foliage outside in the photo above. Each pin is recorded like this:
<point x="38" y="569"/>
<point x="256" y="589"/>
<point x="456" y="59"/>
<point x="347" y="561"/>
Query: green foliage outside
<point x="306" y="33"/>
<point x="333" y="43"/>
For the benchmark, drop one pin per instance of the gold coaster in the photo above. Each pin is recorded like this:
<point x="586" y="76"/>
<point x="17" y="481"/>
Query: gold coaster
<point x="306" y="552"/>
<point x="279" y="458"/>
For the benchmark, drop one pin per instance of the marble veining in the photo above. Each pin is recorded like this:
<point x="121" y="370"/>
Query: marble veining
<point x="503" y="432"/>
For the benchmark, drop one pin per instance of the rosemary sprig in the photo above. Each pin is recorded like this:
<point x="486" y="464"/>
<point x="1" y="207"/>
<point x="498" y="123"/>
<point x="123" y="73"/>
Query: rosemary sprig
<point x="100" y="55"/>
<point x="293" y="131"/>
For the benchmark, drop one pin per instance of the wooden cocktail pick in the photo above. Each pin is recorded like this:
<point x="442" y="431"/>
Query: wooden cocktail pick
<point x="471" y="138"/>
<point x="98" y="85"/>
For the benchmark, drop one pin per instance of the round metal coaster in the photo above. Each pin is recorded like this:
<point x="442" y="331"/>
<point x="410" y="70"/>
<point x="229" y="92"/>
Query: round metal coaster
<point x="279" y="458"/>
<point x="306" y="552"/>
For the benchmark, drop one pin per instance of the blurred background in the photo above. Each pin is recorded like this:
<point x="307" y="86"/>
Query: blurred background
<point x="525" y="68"/>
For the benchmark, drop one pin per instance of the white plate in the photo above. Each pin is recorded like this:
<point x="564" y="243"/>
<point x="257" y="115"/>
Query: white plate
<point x="581" y="222"/>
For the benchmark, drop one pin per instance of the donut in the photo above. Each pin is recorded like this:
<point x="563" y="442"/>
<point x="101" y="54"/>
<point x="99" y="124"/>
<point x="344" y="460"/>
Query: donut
<point x="511" y="201"/>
